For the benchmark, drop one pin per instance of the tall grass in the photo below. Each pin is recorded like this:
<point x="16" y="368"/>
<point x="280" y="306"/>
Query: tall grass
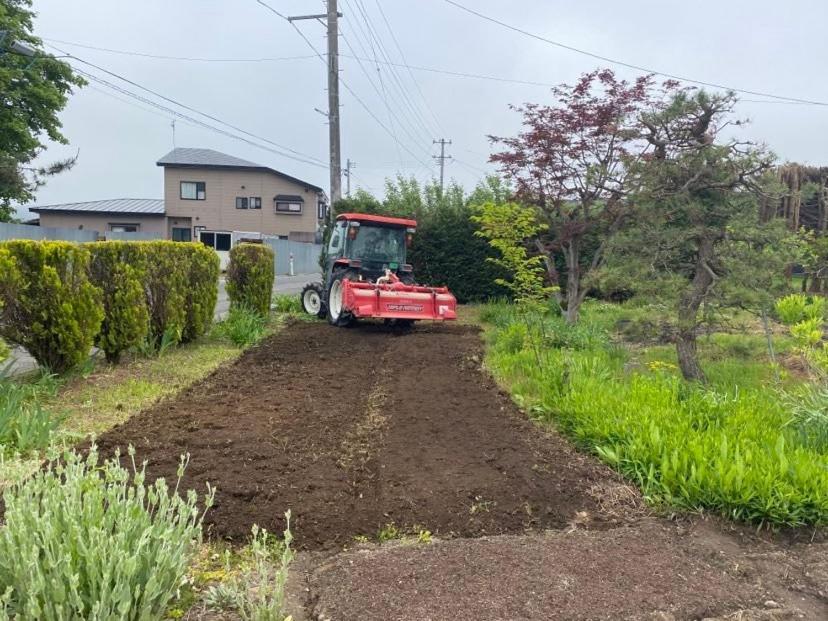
<point x="243" y="326"/>
<point x="726" y="449"/>
<point x="85" y="540"/>
<point x="24" y="425"/>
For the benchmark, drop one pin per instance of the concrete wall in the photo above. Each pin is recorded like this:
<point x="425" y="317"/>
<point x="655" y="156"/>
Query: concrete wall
<point x="102" y="222"/>
<point x="218" y="211"/>
<point x="28" y="231"/>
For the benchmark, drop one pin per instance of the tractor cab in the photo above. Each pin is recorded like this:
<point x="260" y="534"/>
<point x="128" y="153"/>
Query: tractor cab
<point x="369" y="245"/>
<point x="367" y="276"/>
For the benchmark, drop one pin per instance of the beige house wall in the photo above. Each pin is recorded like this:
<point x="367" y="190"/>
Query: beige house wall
<point x="217" y="212"/>
<point x="102" y="222"/>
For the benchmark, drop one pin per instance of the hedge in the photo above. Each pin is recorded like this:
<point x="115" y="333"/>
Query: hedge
<point x="202" y="289"/>
<point x="250" y="277"/>
<point x="57" y="299"/>
<point x="49" y="305"/>
<point x="119" y="269"/>
<point x="446" y="251"/>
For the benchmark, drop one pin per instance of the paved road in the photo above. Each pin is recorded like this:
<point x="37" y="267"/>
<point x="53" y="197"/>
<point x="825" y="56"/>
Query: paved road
<point x="22" y="362"/>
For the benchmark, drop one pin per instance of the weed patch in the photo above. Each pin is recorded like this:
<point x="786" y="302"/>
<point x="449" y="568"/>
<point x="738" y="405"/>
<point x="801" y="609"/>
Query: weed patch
<point x="727" y="448"/>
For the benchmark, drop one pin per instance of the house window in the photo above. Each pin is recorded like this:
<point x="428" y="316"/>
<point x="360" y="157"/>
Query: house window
<point x="241" y="202"/>
<point x="285" y="207"/>
<point x="218" y="241"/>
<point x="193" y="190"/>
<point x="123" y="228"/>
<point x="255" y="202"/>
<point x="321" y="210"/>
<point x="182" y="234"/>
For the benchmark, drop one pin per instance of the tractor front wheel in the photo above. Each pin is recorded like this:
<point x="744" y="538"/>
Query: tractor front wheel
<point x="311" y="298"/>
<point x="337" y="314"/>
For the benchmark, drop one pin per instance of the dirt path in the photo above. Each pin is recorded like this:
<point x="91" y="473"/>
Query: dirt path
<point x="357" y="429"/>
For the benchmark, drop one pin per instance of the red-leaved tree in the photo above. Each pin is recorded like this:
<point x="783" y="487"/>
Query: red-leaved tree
<point x="571" y="162"/>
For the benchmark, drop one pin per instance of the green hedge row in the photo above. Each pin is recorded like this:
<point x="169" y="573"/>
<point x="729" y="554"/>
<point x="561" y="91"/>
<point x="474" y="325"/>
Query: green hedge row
<point x="57" y="299"/>
<point x="250" y="277"/>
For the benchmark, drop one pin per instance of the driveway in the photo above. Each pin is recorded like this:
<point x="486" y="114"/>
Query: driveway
<point x="22" y="362"/>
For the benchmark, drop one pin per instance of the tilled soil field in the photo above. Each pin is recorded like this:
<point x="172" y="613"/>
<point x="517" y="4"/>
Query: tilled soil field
<point x="357" y="429"/>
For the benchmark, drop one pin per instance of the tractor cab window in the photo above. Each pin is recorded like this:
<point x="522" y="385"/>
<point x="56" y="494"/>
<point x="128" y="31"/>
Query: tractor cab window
<point x="337" y="239"/>
<point x="377" y="244"/>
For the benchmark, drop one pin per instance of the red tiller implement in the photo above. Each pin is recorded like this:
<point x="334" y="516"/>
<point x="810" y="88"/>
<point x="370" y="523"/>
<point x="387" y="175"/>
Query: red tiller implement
<point x="390" y="298"/>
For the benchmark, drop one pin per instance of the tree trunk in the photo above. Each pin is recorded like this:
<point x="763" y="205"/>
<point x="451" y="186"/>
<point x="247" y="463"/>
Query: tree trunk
<point x="573" y="281"/>
<point x="688" y="311"/>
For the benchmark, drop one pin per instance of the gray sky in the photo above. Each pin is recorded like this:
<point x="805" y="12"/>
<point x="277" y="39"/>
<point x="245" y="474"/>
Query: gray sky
<point x="750" y="44"/>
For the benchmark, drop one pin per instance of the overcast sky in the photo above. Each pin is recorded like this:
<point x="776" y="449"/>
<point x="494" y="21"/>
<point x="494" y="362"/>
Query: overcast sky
<point x="750" y="44"/>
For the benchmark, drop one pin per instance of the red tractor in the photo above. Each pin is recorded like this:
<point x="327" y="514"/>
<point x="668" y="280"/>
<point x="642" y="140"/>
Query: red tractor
<point x="366" y="276"/>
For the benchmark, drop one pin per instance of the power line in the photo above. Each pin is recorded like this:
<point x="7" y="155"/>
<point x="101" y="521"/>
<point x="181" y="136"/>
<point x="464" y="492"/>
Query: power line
<point x="344" y="83"/>
<point x="630" y="65"/>
<point x="173" y="112"/>
<point x="303" y="157"/>
<point x="405" y="62"/>
<point x="396" y="80"/>
<point x="181" y="58"/>
<point x="435" y="70"/>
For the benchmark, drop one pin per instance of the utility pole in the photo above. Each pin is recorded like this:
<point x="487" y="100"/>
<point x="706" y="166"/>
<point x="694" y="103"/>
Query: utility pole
<point x="347" y="172"/>
<point x="332" y="19"/>
<point x="442" y="158"/>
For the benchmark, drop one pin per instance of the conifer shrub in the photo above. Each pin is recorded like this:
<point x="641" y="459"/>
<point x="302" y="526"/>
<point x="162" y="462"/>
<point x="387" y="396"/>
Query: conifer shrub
<point x="250" y="277"/>
<point x="167" y="279"/>
<point x="202" y="289"/>
<point x="49" y="306"/>
<point x="118" y="269"/>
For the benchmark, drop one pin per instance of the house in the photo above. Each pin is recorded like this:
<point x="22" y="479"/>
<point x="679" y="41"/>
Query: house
<point x="209" y="196"/>
<point x="219" y="198"/>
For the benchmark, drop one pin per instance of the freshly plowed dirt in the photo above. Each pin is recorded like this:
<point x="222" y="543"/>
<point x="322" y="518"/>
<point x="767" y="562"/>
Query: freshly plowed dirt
<point x="353" y="430"/>
<point x="356" y="429"/>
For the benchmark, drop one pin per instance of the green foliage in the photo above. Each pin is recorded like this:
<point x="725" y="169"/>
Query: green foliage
<point x="289" y="304"/>
<point x="447" y="252"/>
<point x="798" y="307"/>
<point x="119" y="272"/>
<point x="791" y="308"/>
<point x="250" y="277"/>
<point x="49" y="305"/>
<point x="24" y="425"/>
<point x="809" y="416"/>
<point x="257" y="592"/>
<point x="243" y="326"/>
<point x="507" y="227"/>
<point x="84" y="540"/>
<point x="724" y="450"/>
<point x="34" y="92"/>
<point x="202" y="289"/>
<point x="166" y="284"/>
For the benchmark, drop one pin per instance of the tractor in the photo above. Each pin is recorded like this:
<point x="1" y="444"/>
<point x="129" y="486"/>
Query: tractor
<point x="366" y="276"/>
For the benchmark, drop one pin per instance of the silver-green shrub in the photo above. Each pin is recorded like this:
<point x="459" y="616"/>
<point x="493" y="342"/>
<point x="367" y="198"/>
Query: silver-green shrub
<point x="95" y="541"/>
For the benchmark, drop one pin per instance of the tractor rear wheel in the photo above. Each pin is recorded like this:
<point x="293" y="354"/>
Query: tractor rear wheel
<point x="311" y="298"/>
<point x="337" y="315"/>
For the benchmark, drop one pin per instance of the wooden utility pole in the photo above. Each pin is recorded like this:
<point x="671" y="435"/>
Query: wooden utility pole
<point x="442" y="158"/>
<point x="332" y="20"/>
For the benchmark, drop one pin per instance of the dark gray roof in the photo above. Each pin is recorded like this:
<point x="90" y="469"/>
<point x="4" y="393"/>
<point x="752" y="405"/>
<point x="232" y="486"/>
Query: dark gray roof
<point x="207" y="158"/>
<point x="289" y="198"/>
<point x="204" y="157"/>
<point x="149" y="206"/>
